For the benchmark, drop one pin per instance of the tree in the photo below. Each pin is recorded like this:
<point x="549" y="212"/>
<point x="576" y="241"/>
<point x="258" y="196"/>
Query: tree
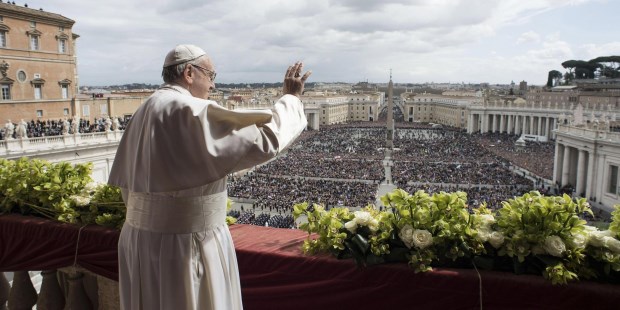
<point x="568" y="78"/>
<point x="609" y="66"/>
<point x="553" y="78"/>
<point x="580" y="69"/>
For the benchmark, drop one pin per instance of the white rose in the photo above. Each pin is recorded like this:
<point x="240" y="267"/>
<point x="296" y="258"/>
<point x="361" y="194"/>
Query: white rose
<point x="362" y="218"/>
<point x="422" y="238"/>
<point x="373" y="225"/>
<point x="80" y="201"/>
<point x="483" y="234"/>
<point x="554" y="246"/>
<point x="612" y="244"/>
<point x="351" y="226"/>
<point x="597" y="238"/>
<point x="486" y="219"/>
<point x="406" y="235"/>
<point x="496" y="239"/>
<point x="91" y="187"/>
<point x="579" y="241"/>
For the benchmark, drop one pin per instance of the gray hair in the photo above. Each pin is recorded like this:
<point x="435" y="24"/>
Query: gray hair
<point x="173" y="73"/>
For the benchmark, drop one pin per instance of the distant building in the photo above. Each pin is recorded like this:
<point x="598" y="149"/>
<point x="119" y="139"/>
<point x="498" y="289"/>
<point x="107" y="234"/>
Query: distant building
<point x="450" y="108"/>
<point x="37" y="64"/>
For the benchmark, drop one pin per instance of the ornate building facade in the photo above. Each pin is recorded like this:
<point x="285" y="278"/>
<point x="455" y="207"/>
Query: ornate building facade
<point x="38" y="64"/>
<point x="587" y="159"/>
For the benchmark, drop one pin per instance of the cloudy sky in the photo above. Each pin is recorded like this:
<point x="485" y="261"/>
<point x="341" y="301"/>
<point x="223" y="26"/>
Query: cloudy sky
<point x="125" y="41"/>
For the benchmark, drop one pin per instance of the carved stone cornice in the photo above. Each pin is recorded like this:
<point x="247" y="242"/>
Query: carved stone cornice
<point x="37" y="81"/>
<point x="64" y="82"/>
<point x="6" y="80"/>
<point x="62" y="36"/>
<point x="34" y="32"/>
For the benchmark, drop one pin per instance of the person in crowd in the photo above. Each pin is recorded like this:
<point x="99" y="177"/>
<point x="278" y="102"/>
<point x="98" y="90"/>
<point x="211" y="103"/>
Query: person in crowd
<point x="175" y="250"/>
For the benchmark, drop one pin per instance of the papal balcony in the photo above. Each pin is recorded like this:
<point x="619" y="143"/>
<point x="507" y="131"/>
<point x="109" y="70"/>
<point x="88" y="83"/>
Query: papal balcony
<point x="79" y="266"/>
<point x="80" y="271"/>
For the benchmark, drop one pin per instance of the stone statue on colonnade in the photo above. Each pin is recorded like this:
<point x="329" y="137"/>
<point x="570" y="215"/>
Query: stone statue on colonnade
<point x="578" y="115"/>
<point x="20" y="131"/>
<point x="9" y="129"/>
<point x="75" y="125"/>
<point x="65" y="126"/>
<point x="107" y="124"/>
<point x="116" y="125"/>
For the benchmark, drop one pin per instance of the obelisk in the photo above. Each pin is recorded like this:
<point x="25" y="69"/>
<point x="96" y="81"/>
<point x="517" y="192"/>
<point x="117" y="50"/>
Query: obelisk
<point x="390" y="115"/>
<point x="387" y="185"/>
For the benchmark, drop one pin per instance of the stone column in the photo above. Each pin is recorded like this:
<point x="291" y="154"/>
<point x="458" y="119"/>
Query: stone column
<point x="565" y="166"/>
<point x="470" y="123"/>
<point x="523" y="130"/>
<point x="509" y="129"/>
<point x="501" y="123"/>
<point x="581" y="162"/>
<point x="531" y="125"/>
<point x="559" y="152"/>
<point x="589" y="175"/>
<point x="539" y="132"/>
<point x="553" y="125"/>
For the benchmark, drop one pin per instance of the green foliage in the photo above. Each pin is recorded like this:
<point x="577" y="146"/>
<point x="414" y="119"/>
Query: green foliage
<point x="531" y="233"/>
<point x="554" y="75"/>
<point x="229" y="219"/>
<point x="62" y="192"/>
<point x="539" y="225"/>
<point x="615" y="221"/>
<point x="608" y="65"/>
<point x="37" y="186"/>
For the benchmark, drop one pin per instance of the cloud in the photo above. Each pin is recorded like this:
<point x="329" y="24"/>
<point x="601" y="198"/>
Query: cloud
<point x="528" y="37"/>
<point x="343" y="40"/>
<point x="591" y="51"/>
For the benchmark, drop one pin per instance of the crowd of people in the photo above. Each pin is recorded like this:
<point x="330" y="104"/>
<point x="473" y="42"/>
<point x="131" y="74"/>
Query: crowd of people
<point x="279" y="194"/>
<point x="536" y="157"/>
<point x="46" y="128"/>
<point x="263" y="219"/>
<point x="343" y="165"/>
<point x="329" y="168"/>
<point x="457" y="173"/>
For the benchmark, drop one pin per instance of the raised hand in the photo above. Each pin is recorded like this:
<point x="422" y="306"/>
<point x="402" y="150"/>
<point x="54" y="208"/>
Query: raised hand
<point x="294" y="81"/>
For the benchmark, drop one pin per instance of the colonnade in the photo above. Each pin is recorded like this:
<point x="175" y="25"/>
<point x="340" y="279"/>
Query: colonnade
<point x="574" y="166"/>
<point x="517" y="124"/>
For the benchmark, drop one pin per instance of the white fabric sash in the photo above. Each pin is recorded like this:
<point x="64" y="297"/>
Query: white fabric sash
<point x="176" y="215"/>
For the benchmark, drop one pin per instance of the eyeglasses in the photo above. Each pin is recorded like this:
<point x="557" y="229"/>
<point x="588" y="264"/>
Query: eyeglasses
<point x="211" y="74"/>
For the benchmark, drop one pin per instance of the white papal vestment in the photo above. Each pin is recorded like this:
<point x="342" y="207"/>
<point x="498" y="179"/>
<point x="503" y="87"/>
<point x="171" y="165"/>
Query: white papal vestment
<point x="175" y="250"/>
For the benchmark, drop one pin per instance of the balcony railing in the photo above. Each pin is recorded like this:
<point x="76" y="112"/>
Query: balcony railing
<point x="65" y="288"/>
<point x="588" y="131"/>
<point x="18" y="147"/>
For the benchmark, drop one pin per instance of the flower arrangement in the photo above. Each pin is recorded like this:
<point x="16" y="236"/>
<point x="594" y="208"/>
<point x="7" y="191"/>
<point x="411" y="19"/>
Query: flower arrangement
<point x="529" y="234"/>
<point x="62" y="192"/>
